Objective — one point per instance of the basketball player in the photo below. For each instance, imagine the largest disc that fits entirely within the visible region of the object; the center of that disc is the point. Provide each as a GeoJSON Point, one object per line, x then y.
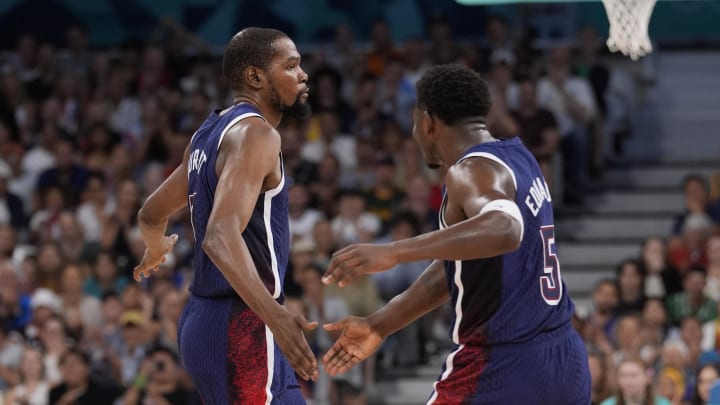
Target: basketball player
{"type": "Point", "coordinates": [236, 339]}
{"type": "Point", "coordinates": [495, 260]}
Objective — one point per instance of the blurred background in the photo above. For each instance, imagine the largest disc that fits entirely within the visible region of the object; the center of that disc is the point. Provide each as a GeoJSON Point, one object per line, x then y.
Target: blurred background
{"type": "Point", "coordinates": [99, 99]}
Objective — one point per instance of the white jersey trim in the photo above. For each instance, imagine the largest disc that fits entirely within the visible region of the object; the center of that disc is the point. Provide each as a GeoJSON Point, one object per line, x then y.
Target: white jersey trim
{"type": "Point", "coordinates": [233, 122]}
{"type": "Point", "coordinates": [494, 159]}
{"type": "Point", "coordinates": [270, 345]}
{"type": "Point", "coordinates": [445, 374]}
{"type": "Point", "coordinates": [508, 207]}
{"type": "Point", "coordinates": [267, 209]}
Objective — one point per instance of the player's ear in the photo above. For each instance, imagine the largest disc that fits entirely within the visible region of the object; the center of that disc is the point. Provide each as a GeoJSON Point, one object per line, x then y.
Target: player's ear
{"type": "Point", "coordinates": [254, 77]}
{"type": "Point", "coordinates": [428, 123]}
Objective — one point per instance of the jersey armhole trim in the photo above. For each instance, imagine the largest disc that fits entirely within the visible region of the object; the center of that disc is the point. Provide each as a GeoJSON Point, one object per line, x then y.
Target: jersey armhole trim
{"type": "Point", "coordinates": [495, 159]}
{"type": "Point", "coordinates": [233, 122]}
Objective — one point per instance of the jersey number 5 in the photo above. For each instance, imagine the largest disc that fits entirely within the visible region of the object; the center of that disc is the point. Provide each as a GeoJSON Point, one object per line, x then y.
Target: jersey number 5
{"type": "Point", "coordinates": [551, 283]}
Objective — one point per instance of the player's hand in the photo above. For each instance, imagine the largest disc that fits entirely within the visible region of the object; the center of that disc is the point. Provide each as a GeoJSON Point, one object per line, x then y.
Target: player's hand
{"type": "Point", "coordinates": [288, 328]}
{"type": "Point", "coordinates": [356, 260]}
{"type": "Point", "coordinates": [356, 343]}
{"type": "Point", "coordinates": [152, 259]}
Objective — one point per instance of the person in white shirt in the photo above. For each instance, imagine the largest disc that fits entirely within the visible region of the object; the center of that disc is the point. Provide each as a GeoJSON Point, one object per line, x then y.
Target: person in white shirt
{"type": "Point", "coordinates": [570, 99]}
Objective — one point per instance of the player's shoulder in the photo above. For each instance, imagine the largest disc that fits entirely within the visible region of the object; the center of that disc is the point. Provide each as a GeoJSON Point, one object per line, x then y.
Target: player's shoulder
{"type": "Point", "coordinates": [252, 132]}
{"type": "Point", "coordinates": [475, 164]}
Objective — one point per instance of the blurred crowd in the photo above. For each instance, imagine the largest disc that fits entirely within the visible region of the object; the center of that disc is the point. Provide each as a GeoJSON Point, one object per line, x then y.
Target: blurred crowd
{"type": "Point", "coordinates": [86, 134]}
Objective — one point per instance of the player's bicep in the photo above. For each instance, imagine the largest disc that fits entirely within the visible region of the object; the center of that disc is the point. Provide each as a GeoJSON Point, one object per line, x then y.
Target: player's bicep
{"type": "Point", "coordinates": [251, 156]}
{"type": "Point", "coordinates": [482, 187]}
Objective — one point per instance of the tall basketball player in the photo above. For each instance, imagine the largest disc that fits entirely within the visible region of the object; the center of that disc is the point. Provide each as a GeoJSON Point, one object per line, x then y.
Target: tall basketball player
{"type": "Point", "coordinates": [236, 339]}
{"type": "Point", "coordinates": [495, 259]}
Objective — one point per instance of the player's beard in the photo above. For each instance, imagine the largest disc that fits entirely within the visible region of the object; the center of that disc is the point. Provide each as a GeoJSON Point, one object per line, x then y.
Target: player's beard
{"type": "Point", "coordinates": [298, 109]}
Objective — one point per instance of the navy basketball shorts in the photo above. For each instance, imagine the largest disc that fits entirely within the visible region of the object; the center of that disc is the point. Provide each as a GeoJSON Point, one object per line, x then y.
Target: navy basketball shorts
{"type": "Point", "coordinates": [551, 369]}
{"type": "Point", "coordinates": [231, 355]}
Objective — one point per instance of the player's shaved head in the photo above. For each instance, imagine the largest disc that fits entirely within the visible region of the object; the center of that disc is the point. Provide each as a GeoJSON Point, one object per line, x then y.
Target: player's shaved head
{"type": "Point", "coordinates": [250, 47]}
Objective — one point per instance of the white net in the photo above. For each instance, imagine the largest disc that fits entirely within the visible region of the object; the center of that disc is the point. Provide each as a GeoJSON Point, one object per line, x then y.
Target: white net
{"type": "Point", "coordinates": [629, 20]}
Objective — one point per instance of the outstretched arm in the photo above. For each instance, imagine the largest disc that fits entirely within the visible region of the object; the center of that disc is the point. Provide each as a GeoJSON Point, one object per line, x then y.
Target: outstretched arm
{"type": "Point", "coordinates": [170, 197]}
{"type": "Point", "coordinates": [486, 223]}
{"type": "Point", "coordinates": [248, 159]}
{"type": "Point", "coordinates": [362, 336]}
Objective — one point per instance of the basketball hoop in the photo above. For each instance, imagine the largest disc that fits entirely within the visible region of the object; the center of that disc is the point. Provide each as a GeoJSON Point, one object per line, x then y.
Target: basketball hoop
{"type": "Point", "coordinates": [629, 20]}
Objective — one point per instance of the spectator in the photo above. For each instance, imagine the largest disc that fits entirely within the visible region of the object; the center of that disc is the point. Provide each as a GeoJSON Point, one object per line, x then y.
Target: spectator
{"type": "Point", "coordinates": [66, 174]}
{"type": "Point", "coordinates": [158, 381]}
{"type": "Point", "coordinates": [33, 388]}
{"type": "Point", "coordinates": [689, 250]}
{"type": "Point", "coordinates": [396, 95]}
{"type": "Point", "coordinates": [712, 286]}
{"type": "Point", "coordinates": [601, 376]}
{"type": "Point", "coordinates": [55, 342]}
{"type": "Point", "coordinates": [76, 386]}
{"type": "Point", "coordinates": [503, 92]}
{"type": "Point", "coordinates": [297, 169]}
{"type": "Point", "coordinates": [44, 226]}
{"type": "Point", "coordinates": [661, 279]}
{"type": "Point", "coordinates": [691, 335]}
{"type": "Point", "coordinates": [118, 227]}
{"type": "Point", "coordinates": [327, 84]}
{"type": "Point", "coordinates": [10, 356]}
{"type": "Point", "coordinates": [302, 217]}
{"type": "Point", "coordinates": [325, 244]}
{"type": "Point", "coordinates": [697, 201]}
{"type": "Point", "coordinates": [442, 46]}
{"type": "Point", "coordinates": [654, 329]}
{"type": "Point", "coordinates": [391, 283]}
{"type": "Point", "coordinates": [11, 206]}
{"type": "Point", "coordinates": [571, 100]}
{"type": "Point", "coordinates": [710, 341]}
{"type": "Point", "coordinates": [132, 348]}
{"type": "Point", "coordinates": [382, 49]}
{"type": "Point", "coordinates": [416, 60]}
{"type": "Point", "coordinates": [603, 316]}
{"type": "Point", "coordinates": [634, 385]}
{"type": "Point", "coordinates": [164, 329]}
{"type": "Point", "coordinates": [82, 312]}
{"type": "Point", "coordinates": [706, 376]}
{"type": "Point", "coordinates": [417, 201]}
{"type": "Point", "coordinates": [326, 189]}
{"type": "Point", "coordinates": [15, 311]}
{"type": "Point", "coordinates": [44, 305]}
{"type": "Point", "coordinates": [104, 277]}
{"type": "Point", "coordinates": [692, 300]}
{"type": "Point", "coordinates": [95, 207]}
{"type": "Point", "coordinates": [537, 127]}
{"type": "Point", "coordinates": [323, 308]}
{"type": "Point", "coordinates": [72, 241]}
{"type": "Point", "coordinates": [671, 385]}
{"type": "Point", "coordinates": [353, 223]}
{"type": "Point", "coordinates": [631, 282]}
{"type": "Point", "coordinates": [628, 338]}
{"type": "Point", "coordinates": [384, 197]}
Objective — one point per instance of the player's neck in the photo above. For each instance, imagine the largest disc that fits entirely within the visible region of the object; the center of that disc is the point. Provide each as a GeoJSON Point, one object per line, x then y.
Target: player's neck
{"type": "Point", "coordinates": [461, 138]}
{"type": "Point", "coordinates": [271, 115]}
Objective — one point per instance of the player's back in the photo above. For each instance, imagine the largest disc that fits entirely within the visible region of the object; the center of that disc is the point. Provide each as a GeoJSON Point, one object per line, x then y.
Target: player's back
{"type": "Point", "coordinates": [267, 233]}
{"type": "Point", "coordinates": [514, 297]}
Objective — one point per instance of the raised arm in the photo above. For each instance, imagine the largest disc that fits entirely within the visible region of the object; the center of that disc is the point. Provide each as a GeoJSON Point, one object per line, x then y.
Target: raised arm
{"type": "Point", "coordinates": [486, 223]}
{"type": "Point", "coordinates": [247, 164]}
{"type": "Point", "coordinates": [167, 199]}
{"type": "Point", "coordinates": [362, 336]}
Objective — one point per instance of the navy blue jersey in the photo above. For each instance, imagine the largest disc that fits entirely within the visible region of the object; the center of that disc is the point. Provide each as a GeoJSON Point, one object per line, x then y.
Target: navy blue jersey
{"type": "Point", "coordinates": [267, 234]}
{"type": "Point", "coordinates": [514, 297]}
